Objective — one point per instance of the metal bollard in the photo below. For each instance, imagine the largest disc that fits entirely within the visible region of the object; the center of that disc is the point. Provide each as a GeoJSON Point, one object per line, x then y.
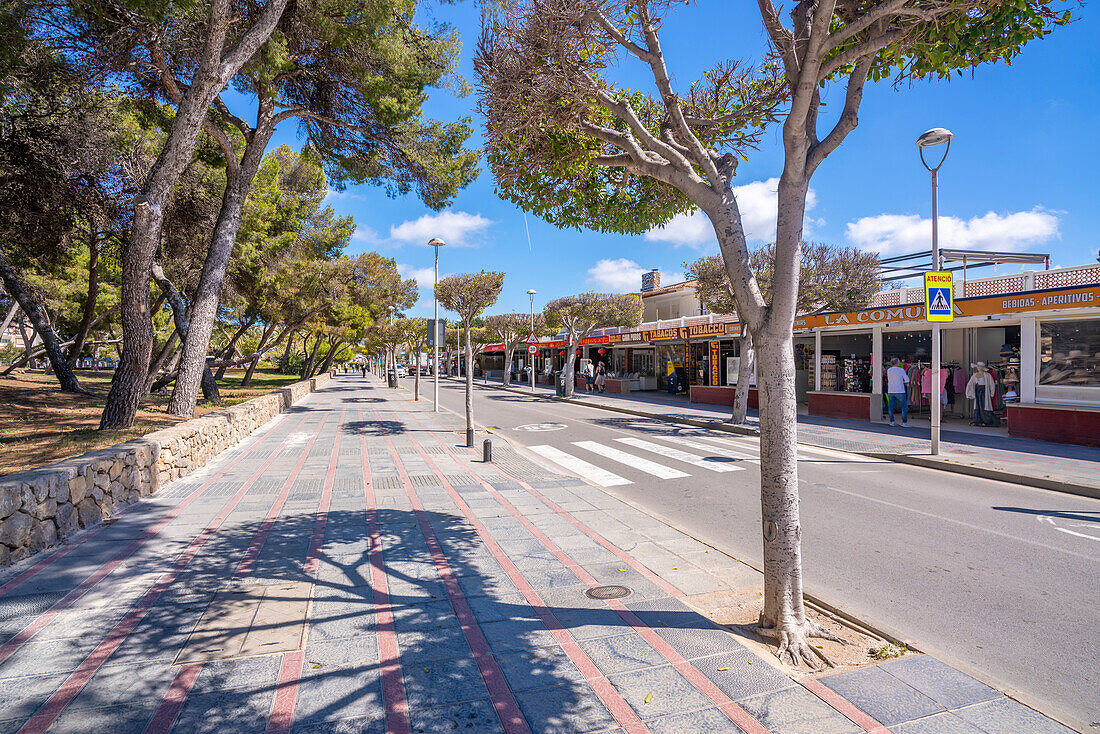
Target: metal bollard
{"type": "Point", "coordinates": [487, 451]}
{"type": "Point", "coordinates": [469, 438]}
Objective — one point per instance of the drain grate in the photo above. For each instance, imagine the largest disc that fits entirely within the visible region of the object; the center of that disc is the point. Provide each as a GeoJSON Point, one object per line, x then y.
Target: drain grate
{"type": "Point", "coordinates": [607, 592]}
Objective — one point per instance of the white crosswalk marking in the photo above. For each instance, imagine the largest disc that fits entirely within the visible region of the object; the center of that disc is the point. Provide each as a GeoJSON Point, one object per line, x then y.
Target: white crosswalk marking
{"type": "Point", "coordinates": [694, 459]}
{"type": "Point", "coordinates": [636, 462]}
{"type": "Point", "coordinates": [730, 448]}
{"type": "Point", "coordinates": [805, 453]}
{"type": "Point", "coordinates": [580, 467]}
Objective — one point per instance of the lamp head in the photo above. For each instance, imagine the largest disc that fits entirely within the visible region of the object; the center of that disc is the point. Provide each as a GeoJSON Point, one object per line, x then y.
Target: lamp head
{"type": "Point", "coordinates": [531, 292]}
{"type": "Point", "coordinates": [935, 136]}
{"type": "Point", "coordinates": [436, 242]}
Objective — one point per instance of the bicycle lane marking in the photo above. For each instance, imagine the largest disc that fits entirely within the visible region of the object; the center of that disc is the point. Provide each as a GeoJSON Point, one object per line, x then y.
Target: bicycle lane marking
{"type": "Point", "coordinates": [172, 514]}
{"type": "Point", "coordinates": [500, 693]}
{"type": "Point", "coordinates": [174, 701]}
{"type": "Point", "coordinates": [697, 679]}
{"type": "Point", "coordinates": [34, 627]}
{"type": "Point", "coordinates": [604, 690]}
{"type": "Point", "coordinates": [76, 681]}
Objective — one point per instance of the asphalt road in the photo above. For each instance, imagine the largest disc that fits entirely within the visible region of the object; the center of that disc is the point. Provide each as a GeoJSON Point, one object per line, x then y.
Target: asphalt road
{"type": "Point", "coordinates": [997, 577]}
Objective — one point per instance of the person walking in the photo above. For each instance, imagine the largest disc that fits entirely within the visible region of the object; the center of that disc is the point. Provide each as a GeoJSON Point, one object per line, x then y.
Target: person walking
{"type": "Point", "coordinates": [589, 377]}
{"type": "Point", "coordinates": [896, 380]}
{"type": "Point", "coordinates": [601, 377]}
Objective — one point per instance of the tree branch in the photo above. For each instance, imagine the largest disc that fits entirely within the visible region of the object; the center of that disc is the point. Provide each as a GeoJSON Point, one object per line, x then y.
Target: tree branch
{"type": "Point", "coordinates": [849, 116]}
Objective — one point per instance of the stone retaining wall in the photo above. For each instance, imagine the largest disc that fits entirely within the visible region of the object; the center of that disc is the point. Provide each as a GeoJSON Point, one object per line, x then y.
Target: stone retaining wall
{"type": "Point", "coordinates": [40, 507]}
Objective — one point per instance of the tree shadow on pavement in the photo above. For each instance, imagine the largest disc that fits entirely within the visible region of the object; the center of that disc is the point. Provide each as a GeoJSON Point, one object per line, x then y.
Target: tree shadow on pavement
{"type": "Point", "coordinates": [341, 679]}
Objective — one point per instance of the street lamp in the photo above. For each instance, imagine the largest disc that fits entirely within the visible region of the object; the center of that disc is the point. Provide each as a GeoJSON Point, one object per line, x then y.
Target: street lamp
{"type": "Point", "coordinates": [935, 137]}
{"type": "Point", "coordinates": [531, 357]}
{"type": "Point", "coordinates": [436, 243]}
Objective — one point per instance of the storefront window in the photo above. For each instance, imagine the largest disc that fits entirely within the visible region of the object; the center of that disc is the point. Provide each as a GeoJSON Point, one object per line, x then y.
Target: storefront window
{"type": "Point", "coordinates": [1070, 353]}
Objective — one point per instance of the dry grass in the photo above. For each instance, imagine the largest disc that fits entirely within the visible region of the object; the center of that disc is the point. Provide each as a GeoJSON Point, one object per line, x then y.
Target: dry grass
{"type": "Point", "coordinates": [39, 424]}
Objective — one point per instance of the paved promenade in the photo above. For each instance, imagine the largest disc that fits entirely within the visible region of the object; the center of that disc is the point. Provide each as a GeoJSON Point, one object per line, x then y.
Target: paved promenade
{"type": "Point", "coordinates": [349, 568]}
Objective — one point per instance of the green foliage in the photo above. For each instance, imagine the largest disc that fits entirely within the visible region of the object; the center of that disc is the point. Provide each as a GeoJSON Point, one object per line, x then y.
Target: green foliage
{"type": "Point", "coordinates": [468, 294]}
{"type": "Point", "coordinates": [972, 33]}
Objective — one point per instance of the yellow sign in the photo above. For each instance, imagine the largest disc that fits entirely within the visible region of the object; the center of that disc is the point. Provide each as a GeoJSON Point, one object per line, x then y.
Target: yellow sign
{"type": "Point", "coordinates": [939, 304]}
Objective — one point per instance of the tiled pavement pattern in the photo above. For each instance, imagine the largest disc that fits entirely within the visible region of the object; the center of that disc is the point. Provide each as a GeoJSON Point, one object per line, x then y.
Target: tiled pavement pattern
{"type": "Point", "coordinates": [439, 594]}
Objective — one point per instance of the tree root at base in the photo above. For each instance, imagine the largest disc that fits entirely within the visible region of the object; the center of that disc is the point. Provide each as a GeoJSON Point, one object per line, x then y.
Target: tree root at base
{"type": "Point", "coordinates": [794, 643]}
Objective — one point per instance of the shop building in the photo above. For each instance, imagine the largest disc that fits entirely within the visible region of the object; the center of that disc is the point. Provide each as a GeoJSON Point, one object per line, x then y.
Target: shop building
{"type": "Point", "coordinates": [1038, 331]}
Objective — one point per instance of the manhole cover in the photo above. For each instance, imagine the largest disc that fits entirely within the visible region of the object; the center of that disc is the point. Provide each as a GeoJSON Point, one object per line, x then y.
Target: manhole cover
{"type": "Point", "coordinates": [608, 592]}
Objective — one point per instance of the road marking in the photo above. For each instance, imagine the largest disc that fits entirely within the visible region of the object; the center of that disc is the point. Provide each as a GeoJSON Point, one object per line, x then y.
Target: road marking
{"type": "Point", "coordinates": [712, 463]}
{"type": "Point", "coordinates": [649, 467]}
{"type": "Point", "coordinates": [1054, 524]}
{"type": "Point", "coordinates": [732, 448]}
{"type": "Point", "coordinates": [580, 467]}
{"type": "Point", "coordinates": [542, 427]}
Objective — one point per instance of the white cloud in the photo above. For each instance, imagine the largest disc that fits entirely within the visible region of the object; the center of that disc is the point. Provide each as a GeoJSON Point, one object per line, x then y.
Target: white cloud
{"type": "Point", "coordinates": [454, 228]}
{"type": "Point", "coordinates": [424, 277]}
{"type": "Point", "coordinates": [892, 234]}
{"type": "Point", "coordinates": [618, 276]}
{"type": "Point", "coordinates": [363, 233]}
{"type": "Point", "coordinates": [758, 204]}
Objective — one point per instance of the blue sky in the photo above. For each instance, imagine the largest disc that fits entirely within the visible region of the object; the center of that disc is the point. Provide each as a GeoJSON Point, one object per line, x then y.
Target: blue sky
{"type": "Point", "coordinates": [1021, 175]}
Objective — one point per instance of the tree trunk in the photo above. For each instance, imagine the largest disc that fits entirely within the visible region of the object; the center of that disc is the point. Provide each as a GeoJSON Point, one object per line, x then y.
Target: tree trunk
{"type": "Point", "coordinates": [469, 377]}
{"type": "Point", "coordinates": [333, 349]}
{"type": "Point", "coordinates": [416, 377]}
{"type": "Point", "coordinates": [779, 503]}
{"type": "Point", "coordinates": [307, 368]}
{"type": "Point", "coordinates": [260, 348]}
{"type": "Point", "coordinates": [231, 347]}
{"type": "Point", "coordinates": [571, 366]}
{"type": "Point", "coordinates": [506, 378]}
{"type": "Point", "coordinates": [12, 310]}
{"type": "Point", "coordinates": [285, 360]}
{"type": "Point", "coordinates": [89, 299]}
{"type": "Point", "coordinates": [61, 367]}
{"type": "Point", "coordinates": [211, 75]}
{"type": "Point", "coordinates": [744, 377]}
{"type": "Point", "coordinates": [179, 318]}
{"type": "Point", "coordinates": [204, 305]}
{"type": "Point", "coordinates": [168, 350]}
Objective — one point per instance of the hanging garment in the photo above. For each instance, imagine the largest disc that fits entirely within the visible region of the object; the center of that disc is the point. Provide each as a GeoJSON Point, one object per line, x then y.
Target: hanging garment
{"type": "Point", "coordinates": [960, 379]}
{"type": "Point", "coordinates": [984, 380]}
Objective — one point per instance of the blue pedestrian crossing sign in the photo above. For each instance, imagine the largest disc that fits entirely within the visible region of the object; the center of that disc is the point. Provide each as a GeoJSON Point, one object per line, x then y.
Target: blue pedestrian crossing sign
{"type": "Point", "coordinates": [939, 305]}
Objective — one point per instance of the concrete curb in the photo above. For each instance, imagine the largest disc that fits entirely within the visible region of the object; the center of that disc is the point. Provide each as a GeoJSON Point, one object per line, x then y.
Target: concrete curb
{"type": "Point", "coordinates": [927, 462]}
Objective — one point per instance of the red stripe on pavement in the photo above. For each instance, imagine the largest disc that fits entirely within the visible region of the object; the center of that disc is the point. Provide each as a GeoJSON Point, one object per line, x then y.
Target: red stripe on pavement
{"type": "Point", "coordinates": [173, 700]}
{"type": "Point", "coordinates": [604, 542]}
{"type": "Point", "coordinates": [703, 684]}
{"type": "Point", "coordinates": [9, 647]}
{"type": "Point", "coordinates": [394, 700]}
{"type": "Point", "coordinates": [69, 547]}
{"type": "Point", "coordinates": [286, 694]}
{"type": "Point", "coordinates": [844, 706]}
{"type": "Point", "coordinates": [503, 701]}
{"type": "Point", "coordinates": [76, 681]}
{"type": "Point", "coordinates": [615, 703]}
{"type": "Point", "coordinates": [281, 718]}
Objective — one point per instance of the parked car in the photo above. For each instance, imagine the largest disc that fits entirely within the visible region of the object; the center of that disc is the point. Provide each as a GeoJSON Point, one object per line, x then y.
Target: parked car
{"type": "Point", "coordinates": [402, 371]}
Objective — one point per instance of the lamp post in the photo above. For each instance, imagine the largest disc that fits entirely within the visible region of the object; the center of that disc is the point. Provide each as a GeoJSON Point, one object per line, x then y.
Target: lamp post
{"type": "Point", "coordinates": [935, 137]}
{"type": "Point", "coordinates": [531, 357]}
{"type": "Point", "coordinates": [436, 243]}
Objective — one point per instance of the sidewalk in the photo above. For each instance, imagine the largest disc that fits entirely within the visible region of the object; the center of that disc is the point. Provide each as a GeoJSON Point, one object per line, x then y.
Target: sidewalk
{"type": "Point", "coordinates": [350, 569]}
{"type": "Point", "coordinates": [1059, 467]}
